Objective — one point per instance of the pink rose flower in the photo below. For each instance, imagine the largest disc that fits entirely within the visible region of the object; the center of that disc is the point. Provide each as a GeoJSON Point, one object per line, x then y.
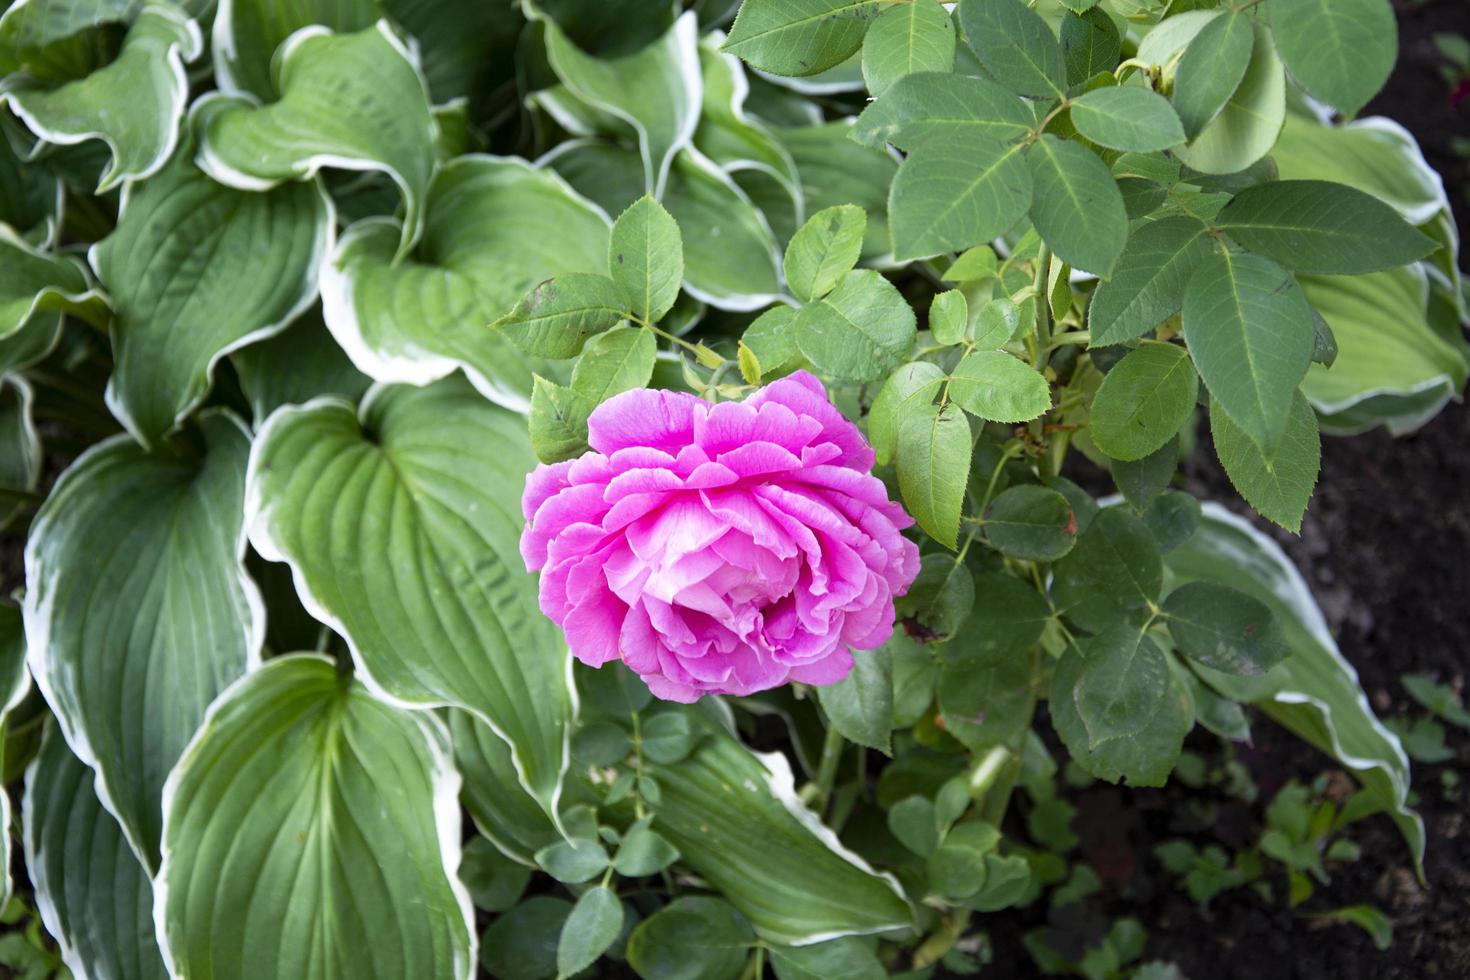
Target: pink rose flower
{"type": "Point", "coordinates": [719, 548]}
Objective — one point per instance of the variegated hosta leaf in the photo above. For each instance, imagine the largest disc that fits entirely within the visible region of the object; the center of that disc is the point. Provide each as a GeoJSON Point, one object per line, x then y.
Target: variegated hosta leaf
{"type": "Point", "coordinates": [14, 682]}
{"type": "Point", "coordinates": [402, 527]}
{"type": "Point", "coordinates": [246, 34]}
{"type": "Point", "coordinates": [34, 283]}
{"type": "Point", "coordinates": [135, 104]}
{"type": "Point", "coordinates": [318, 367]}
{"type": "Point", "coordinates": [29, 27]}
{"type": "Point", "coordinates": [312, 831]}
{"type": "Point", "coordinates": [138, 609]}
{"type": "Point", "coordinates": [30, 195]}
{"type": "Point", "coordinates": [503, 811]}
{"type": "Point", "coordinates": [735, 818]}
{"type": "Point", "coordinates": [20, 452]}
{"type": "Point", "coordinates": [94, 895]}
{"type": "Point", "coordinates": [196, 269]}
{"type": "Point", "coordinates": [657, 90]}
{"type": "Point", "coordinates": [494, 227]}
{"type": "Point", "coordinates": [353, 101]}
{"type": "Point", "coordinates": [730, 255]}
{"type": "Point", "coordinates": [1314, 692]}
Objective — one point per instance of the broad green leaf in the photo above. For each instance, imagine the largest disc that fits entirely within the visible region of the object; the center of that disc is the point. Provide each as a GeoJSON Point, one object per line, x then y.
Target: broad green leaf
{"type": "Point", "coordinates": [1249, 331]}
{"type": "Point", "coordinates": [837, 959]}
{"type": "Point", "coordinates": [555, 319]}
{"type": "Point", "coordinates": [999, 321]}
{"type": "Point", "coordinates": [614, 362]}
{"type": "Point", "coordinates": [318, 367]}
{"type": "Point", "coordinates": [557, 422]}
{"type": "Point", "coordinates": [573, 860]}
{"type": "Point", "coordinates": [998, 387]}
{"type": "Point", "coordinates": [824, 250]}
{"type": "Point", "coordinates": [1124, 676]}
{"type": "Point", "coordinates": [135, 104]}
{"type": "Point", "coordinates": [1090, 44]}
{"type": "Point", "coordinates": [730, 255]}
{"type": "Point", "coordinates": [196, 270]}
{"type": "Point", "coordinates": [1144, 757]}
{"type": "Point", "coordinates": [1127, 117]}
{"type": "Point", "coordinates": [735, 818]}
{"type": "Point", "coordinates": [311, 830]}
{"type": "Point", "coordinates": [1321, 227]}
{"type": "Point", "coordinates": [1172, 519]}
{"type": "Point", "coordinates": [656, 90]}
{"type": "Point", "coordinates": [1032, 523]}
{"type": "Point", "coordinates": [34, 283]}
{"type": "Point", "coordinates": [1076, 206]}
{"type": "Point", "coordinates": [1114, 569]}
{"type": "Point", "coordinates": [927, 104]}
{"type": "Point", "coordinates": [1314, 692]}
{"type": "Point", "coordinates": [1247, 127]}
{"type": "Point", "coordinates": [860, 706]}
{"type": "Point", "coordinates": [593, 926]}
{"type": "Point", "coordinates": [1224, 628]}
{"type": "Point", "coordinates": [957, 870]}
{"type": "Point", "coordinates": [1144, 400]}
{"type": "Point", "coordinates": [1278, 483]}
{"type": "Point", "coordinates": [20, 453]}
{"type": "Point", "coordinates": [919, 382]}
{"type": "Point", "coordinates": [139, 611]}
{"type": "Point", "coordinates": [1212, 68]}
{"type": "Point", "coordinates": [92, 892]}
{"type": "Point", "coordinates": [352, 101]}
{"type": "Point", "coordinates": [1007, 619]}
{"type": "Point", "coordinates": [495, 882]}
{"type": "Point", "coordinates": [986, 704]}
{"type": "Point", "coordinates": [493, 229]}
{"type": "Point", "coordinates": [957, 189]}
{"type": "Point", "coordinates": [407, 546]}
{"type": "Point", "coordinates": [973, 265]}
{"type": "Point", "coordinates": [502, 810]}
{"type": "Point", "coordinates": [522, 943]}
{"type": "Point", "coordinates": [860, 331]}
{"type": "Point", "coordinates": [1341, 51]}
{"type": "Point", "coordinates": [1142, 481]}
{"type": "Point", "coordinates": [907, 38]}
{"type": "Point", "coordinates": [1015, 45]}
{"type": "Point", "coordinates": [949, 317]}
{"type": "Point", "coordinates": [1148, 283]}
{"type": "Point", "coordinates": [915, 824]}
{"type": "Point", "coordinates": [30, 196]}
{"type": "Point", "coordinates": [799, 37]}
{"type": "Point", "coordinates": [643, 852]}
{"type": "Point", "coordinates": [934, 466]}
{"type": "Point", "coordinates": [692, 938]}
{"type": "Point", "coordinates": [646, 257]}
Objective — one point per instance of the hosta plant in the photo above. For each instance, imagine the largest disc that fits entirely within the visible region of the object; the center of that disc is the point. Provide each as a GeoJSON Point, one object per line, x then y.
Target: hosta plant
{"type": "Point", "coordinates": [556, 487]}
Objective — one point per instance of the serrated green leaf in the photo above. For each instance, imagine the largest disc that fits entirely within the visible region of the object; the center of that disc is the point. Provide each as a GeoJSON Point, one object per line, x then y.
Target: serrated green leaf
{"type": "Point", "coordinates": [913, 821]}
{"type": "Point", "coordinates": [954, 190]}
{"type": "Point", "coordinates": [155, 541]}
{"type": "Point", "coordinates": [458, 628]}
{"type": "Point", "coordinates": [1224, 628]}
{"type": "Point", "coordinates": [1249, 331]}
{"type": "Point", "coordinates": [933, 467]}
{"type": "Point", "coordinates": [836, 959]}
{"type": "Point", "coordinates": [735, 818]}
{"type": "Point", "coordinates": [824, 250]}
{"type": "Point", "coordinates": [557, 423]}
{"type": "Point", "coordinates": [1211, 69]}
{"type": "Point", "coordinates": [998, 387]}
{"type": "Point", "coordinates": [1277, 483]}
{"type": "Point", "coordinates": [522, 943]}
{"type": "Point", "coordinates": [355, 784]}
{"type": "Point", "coordinates": [355, 101]}
{"type": "Point", "coordinates": [573, 860]}
{"type": "Point", "coordinates": [919, 381]}
{"type": "Point", "coordinates": [593, 926]}
{"type": "Point", "coordinates": [643, 852]}
{"type": "Point", "coordinates": [1172, 519]}
{"type": "Point", "coordinates": [940, 597]}
{"type": "Point", "coordinates": [91, 890]}
{"type": "Point", "coordinates": [927, 104]}
{"type": "Point", "coordinates": [495, 882]}
{"type": "Point", "coordinates": [860, 331]}
{"type": "Point", "coordinates": [1090, 44]}
{"type": "Point", "coordinates": [799, 37]}
{"type": "Point", "coordinates": [999, 321]}
{"type": "Point", "coordinates": [1015, 45]}
{"type": "Point", "coordinates": [1114, 568]}
{"type": "Point", "coordinates": [493, 229]}
{"type": "Point", "coordinates": [1032, 523]}
{"type": "Point", "coordinates": [949, 317]}
{"type": "Point", "coordinates": [1341, 51]}
{"type": "Point", "coordinates": [1076, 206]}
{"type": "Point", "coordinates": [860, 706]}
{"type": "Point", "coordinates": [1124, 676]}
{"type": "Point", "coordinates": [771, 340]}
{"type": "Point", "coordinates": [196, 269]}
{"type": "Point", "coordinates": [1127, 117]}
{"type": "Point", "coordinates": [1144, 400]}
{"type": "Point", "coordinates": [1142, 481]}
{"type": "Point", "coordinates": [1247, 127]}
{"type": "Point", "coordinates": [1321, 227]}
{"type": "Point", "coordinates": [837, 170]}
{"type": "Point", "coordinates": [556, 318]}
{"type": "Point", "coordinates": [135, 104]}
{"type": "Point", "coordinates": [1148, 283]}
{"type": "Point", "coordinates": [614, 362]}
{"type": "Point", "coordinates": [646, 258]}
{"type": "Point", "coordinates": [1007, 619]}
{"type": "Point", "coordinates": [692, 937]}
{"type": "Point", "coordinates": [985, 704]}
{"type": "Point", "coordinates": [905, 39]}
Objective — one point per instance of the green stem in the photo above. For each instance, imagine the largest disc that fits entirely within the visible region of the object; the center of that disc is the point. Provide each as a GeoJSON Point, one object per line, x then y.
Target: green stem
{"type": "Point", "coordinates": [832, 748]}
{"type": "Point", "coordinates": [1043, 306]}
